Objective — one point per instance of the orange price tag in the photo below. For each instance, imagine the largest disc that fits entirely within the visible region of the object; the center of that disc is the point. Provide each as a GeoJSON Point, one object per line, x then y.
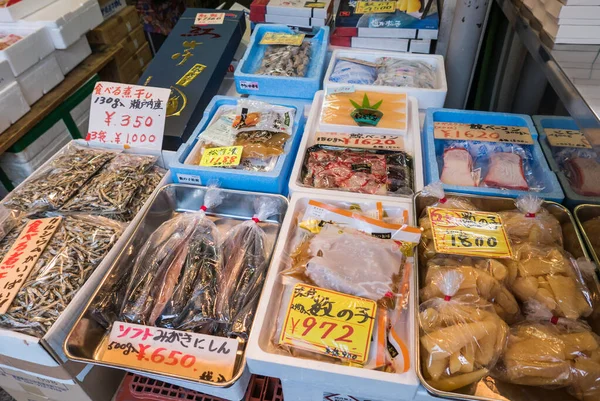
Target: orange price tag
{"type": "Point", "coordinates": [329, 322]}
{"type": "Point", "coordinates": [482, 132]}
{"type": "Point", "coordinates": [567, 138]}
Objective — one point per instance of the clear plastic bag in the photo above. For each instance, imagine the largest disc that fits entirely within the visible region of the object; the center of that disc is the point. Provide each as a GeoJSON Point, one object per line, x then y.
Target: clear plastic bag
{"type": "Point", "coordinates": [461, 337]}
{"type": "Point", "coordinates": [52, 187]}
{"type": "Point", "coordinates": [531, 222]}
{"type": "Point", "coordinates": [75, 250]}
{"type": "Point", "coordinates": [9, 219]}
{"type": "Point", "coordinates": [582, 167]}
{"type": "Point", "coordinates": [405, 73]}
{"type": "Point", "coordinates": [111, 190]}
{"type": "Point", "coordinates": [286, 61]}
{"type": "Point", "coordinates": [148, 184]}
{"type": "Point", "coordinates": [244, 269]}
{"type": "Point", "coordinates": [348, 72]}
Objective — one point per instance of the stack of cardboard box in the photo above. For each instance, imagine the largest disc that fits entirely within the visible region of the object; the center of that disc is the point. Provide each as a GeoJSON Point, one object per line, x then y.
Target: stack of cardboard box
{"type": "Point", "coordinates": [124, 30]}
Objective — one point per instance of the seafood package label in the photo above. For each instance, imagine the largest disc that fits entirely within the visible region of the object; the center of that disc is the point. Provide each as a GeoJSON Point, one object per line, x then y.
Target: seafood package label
{"type": "Point", "coordinates": [482, 132]}
{"type": "Point", "coordinates": [22, 257]}
{"type": "Point", "coordinates": [278, 38]}
{"type": "Point", "coordinates": [362, 141]}
{"type": "Point", "coordinates": [567, 138]}
{"type": "Point", "coordinates": [329, 322]}
{"type": "Point", "coordinates": [222, 157]}
{"type": "Point", "coordinates": [128, 116]}
{"type": "Point", "coordinates": [209, 18]}
{"type": "Point", "coordinates": [464, 232]}
{"type": "Point", "coordinates": [153, 349]}
{"type": "Point", "coordinates": [374, 7]}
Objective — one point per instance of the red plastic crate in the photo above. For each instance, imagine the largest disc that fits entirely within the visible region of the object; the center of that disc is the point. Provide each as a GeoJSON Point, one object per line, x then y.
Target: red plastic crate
{"type": "Point", "coordinates": [140, 388]}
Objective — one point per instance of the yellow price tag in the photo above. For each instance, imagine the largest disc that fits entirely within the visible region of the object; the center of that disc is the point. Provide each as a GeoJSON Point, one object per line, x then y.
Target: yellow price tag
{"type": "Point", "coordinates": [329, 322]}
{"type": "Point", "coordinates": [464, 232]}
{"type": "Point", "coordinates": [222, 157]}
{"type": "Point", "coordinates": [279, 38]}
{"type": "Point", "coordinates": [482, 132]}
{"type": "Point", "coordinates": [567, 138]}
{"type": "Point", "coordinates": [372, 7]}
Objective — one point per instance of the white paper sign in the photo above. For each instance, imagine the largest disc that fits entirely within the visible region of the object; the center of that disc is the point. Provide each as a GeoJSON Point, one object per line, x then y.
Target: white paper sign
{"type": "Point", "coordinates": [125, 115]}
{"type": "Point", "coordinates": [209, 18]}
{"type": "Point", "coordinates": [249, 85]}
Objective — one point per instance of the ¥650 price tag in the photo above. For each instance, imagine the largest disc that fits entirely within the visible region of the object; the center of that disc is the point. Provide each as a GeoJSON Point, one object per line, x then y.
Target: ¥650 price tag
{"type": "Point", "coordinates": [465, 232]}
{"type": "Point", "coordinates": [222, 157]}
{"type": "Point", "coordinates": [329, 322]}
{"type": "Point", "coordinates": [190, 355]}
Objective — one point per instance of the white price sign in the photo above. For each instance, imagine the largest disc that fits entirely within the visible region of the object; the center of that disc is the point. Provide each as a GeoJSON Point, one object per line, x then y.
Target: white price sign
{"type": "Point", "coordinates": [188, 179]}
{"type": "Point", "coordinates": [249, 85]}
{"type": "Point", "coordinates": [209, 18]}
{"type": "Point", "coordinates": [131, 116]}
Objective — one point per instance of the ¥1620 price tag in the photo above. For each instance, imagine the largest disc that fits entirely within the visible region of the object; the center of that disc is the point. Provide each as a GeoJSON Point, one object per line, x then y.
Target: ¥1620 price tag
{"type": "Point", "coordinates": [464, 232]}
{"type": "Point", "coordinates": [222, 157]}
{"type": "Point", "coordinates": [191, 355]}
{"type": "Point", "coordinates": [482, 132]}
{"type": "Point", "coordinates": [363, 141]}
{"type": "Point", "coordinates": [329, 322]}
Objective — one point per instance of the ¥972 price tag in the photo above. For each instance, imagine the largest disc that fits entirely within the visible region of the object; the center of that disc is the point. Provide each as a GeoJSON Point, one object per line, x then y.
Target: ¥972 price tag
{"type": "Point", "coordinates": [329, 322]}
{"type": "Point", "coordinates": [190, 355]}
{"type": "Point", "coordinates": [464, 232]}
{"type": "Point", "coordinates": [222, 157]}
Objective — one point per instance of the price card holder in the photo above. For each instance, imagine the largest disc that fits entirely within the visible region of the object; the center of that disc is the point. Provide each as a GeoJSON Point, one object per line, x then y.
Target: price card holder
{"type": "Point", "coordinates": [278, 38]}
{"type": "Point", "coordinates": [128, 116]}
{"type": "Point", "coordinates": [567, 138]}
{"type": "Point", "coordinates": [329, 322]}
{"type": "Point", "coordinates": [464, 232]}
{"type": "Point", "coordinates": [190, 355]}
{"type": "Point", "coordinates": [222, 157]}
{"type": "Point", "coordinates": [482, 132]}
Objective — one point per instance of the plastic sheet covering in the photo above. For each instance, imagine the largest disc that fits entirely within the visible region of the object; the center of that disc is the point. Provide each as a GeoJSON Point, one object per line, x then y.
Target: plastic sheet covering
{"type": "Point", "coordinates": [286, 61]}
{"type": "Point", "coordinates": [348, 72]}
{"type": "Point", "coordinates": [405, 73]}
{"type": "Point", "coordinates": [581, 166]}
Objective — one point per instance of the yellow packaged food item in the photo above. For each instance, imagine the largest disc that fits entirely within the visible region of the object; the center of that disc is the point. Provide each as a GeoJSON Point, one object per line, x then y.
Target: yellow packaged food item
{"type": "Point", "coordinates": [530, 222]}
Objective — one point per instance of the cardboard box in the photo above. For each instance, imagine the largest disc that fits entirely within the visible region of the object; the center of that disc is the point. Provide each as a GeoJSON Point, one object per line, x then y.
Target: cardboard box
{"type": "Point", "coordinates": [196, 79]}
{"type": "Point", "coordinates": [111, 7]}
{"type": "Point", "coordinates": [130, 45]}
{"type": "Point", "coordinates": [130, 68]}
{"type": "Point", "coordinates": [115, 28]}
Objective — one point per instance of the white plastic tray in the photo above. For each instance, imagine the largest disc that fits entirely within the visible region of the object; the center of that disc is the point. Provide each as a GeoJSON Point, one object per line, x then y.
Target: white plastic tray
{"type": "Point", "coordinates": [426, 97]}
{"type": "Point", "coordinates": [413, 147]}
{"type": "Point", "coordinates": [34, 46]}
{"type": "Point", "coordinates": [307, 379]}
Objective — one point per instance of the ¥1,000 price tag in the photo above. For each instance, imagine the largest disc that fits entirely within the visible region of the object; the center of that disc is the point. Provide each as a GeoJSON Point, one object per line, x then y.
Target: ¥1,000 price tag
{"type": "Point", "coordinates": [482, 132]}
{"type": "Point", "coordinates": [567, 138]}
{"type": "Point", "coordinates": [278, 38]}
{"type": "Point", "coordinates": [464, 232]}
{"type": "Point", "coordinates": [222, 157]}
{"type": "Point", "coordinates": [329, 322]}
{"type": "Point", "coordinates": [191, 355]}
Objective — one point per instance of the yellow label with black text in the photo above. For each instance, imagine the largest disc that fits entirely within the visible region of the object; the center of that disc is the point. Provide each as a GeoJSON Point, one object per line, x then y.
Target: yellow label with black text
{"type": "Point", "coordinates": [222, 157]}
{"type": "Point", "coordinates": [567, 138]}
{"type": "Point", "coordinates": [464, 232]}
{"type": "Point", "coordinates": [482, 132]}
{"type": "Point", "coordinates": [372, 7]}
{"type": "Point", "coordinates": [278, 38]}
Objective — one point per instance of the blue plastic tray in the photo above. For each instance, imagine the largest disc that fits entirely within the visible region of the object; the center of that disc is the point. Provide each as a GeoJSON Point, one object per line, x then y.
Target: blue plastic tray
{"type": "Point", "coordinates": [572, 198]}
{"type": "Point", "coordinates": [275, 181]}
{"type": "Point", "coordinates": [432, 148]}
{"type": "Point", "coordinates": [294, 87]}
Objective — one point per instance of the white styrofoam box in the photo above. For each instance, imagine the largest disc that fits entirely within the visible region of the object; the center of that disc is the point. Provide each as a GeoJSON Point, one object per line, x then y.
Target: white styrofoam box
{"type": "Point", "coordinates": [583, 12]}
{"type": "Point", "coordinates": [595, 74]}
{"type": "Point", "coordinates": [288, 20]}
{"type": "Point", "coordinates": [412, 141]}
{"type": "Point", "coordinates": [12, 104]}
{"type": "Point", "coordinates": [6, 75]}
{"type": "Point", "coordinates": [578, 48]}
{"type": "Point", "coordinates": [304, 379]}
{"type": "Point", "coordinates": [577, 31]}
{"type": "Point", "coordinates": [318, 21]}
{"type": "Point", "coordinates": [34, 46]}
{"type": "Point", "coordinates": [67, 20]}
{"type": "Point", "coordinates": [577, 21]}
{"type": "Point", "coordinates": [297, 8]}
{"type": "Point", "coordinates": [428, 34]}
{"type": "Point", "coordinates": [582, 73]}
{"type": "Point", "coordinates": [70, 57]}
{"type": "Point", "coordinates": [399, 33]}
{"type": "Point", "coordinates": [22, 9]}
{"type": "Point", "coordinates": [574, 56]}
{"type": "Point", "coordinates": [422, 46]}
{"type": "Point", "coordinates": [398, 45]}
{"type": "Point", "coordinates": [40, 79]}
{"type": "Point", "coordinates": [35, 147]}
{"type": "Point", "coordinates": [82, 108]}
{"type": "Point", "coordinates": [425, 97]}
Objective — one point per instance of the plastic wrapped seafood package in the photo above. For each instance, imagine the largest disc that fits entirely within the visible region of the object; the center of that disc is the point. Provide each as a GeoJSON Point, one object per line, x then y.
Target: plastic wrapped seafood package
{"type": "Point", "coordinates": [347, 71]}
{"type": "Point", "coordinates": [328, 250]}
{"type": "Point", "coordinates": [489, 164]}
{"type": "Point", "coordinates": [581, 166]}
{"type": "Point", "coordinates": [286, 60]}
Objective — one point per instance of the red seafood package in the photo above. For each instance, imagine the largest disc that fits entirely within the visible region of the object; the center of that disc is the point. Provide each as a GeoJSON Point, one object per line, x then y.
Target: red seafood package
{"type": "Point", "coordinates": [585, 176]}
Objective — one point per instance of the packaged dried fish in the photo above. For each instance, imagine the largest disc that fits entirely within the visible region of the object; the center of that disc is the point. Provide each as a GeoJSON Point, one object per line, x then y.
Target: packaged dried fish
{"type": "Point", "coordinates": [286, 61]}
{"type": "Point", "coordinates": [111, 190]}
{"type": "Point", "coordinates": [75, 250]}
{"type": "Point", "coordinates": [9, 219]}
{"type": "Point", "coordinates": [254, 115]}
{"type": "Point", "coordinates": [149, 183]}
{"type": "Point", "coordinates": [52, 187]}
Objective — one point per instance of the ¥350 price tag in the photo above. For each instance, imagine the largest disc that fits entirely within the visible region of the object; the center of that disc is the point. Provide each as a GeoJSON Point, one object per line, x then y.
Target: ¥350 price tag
{"type": "Point", "coordinates": [222, 157]}
{"type": "Point", "coordinates": [465, 232]}
{"type": "Point", "coordinates": [329, 322]}
{"type": "Point", "coordinates": [191, 355]}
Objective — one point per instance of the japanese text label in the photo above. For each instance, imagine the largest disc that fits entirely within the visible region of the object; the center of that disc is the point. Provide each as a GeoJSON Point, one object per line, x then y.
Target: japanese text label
{"type": "Point", "coordinates": [363, 141]}
{"type": "Point", "coordinates": [222, 157]}
{"type": "Point", "coordinates": [278, 38]}
{"type": "Point", "coordinates": [482, 132]}
{"type": "Point", "coordinates": [463, 232]}
{"type": "Point", "coordinates": [567, 138]}
{"type": "Point", "coordinates": [209, 18]}
{"type": "Point", "coordinates": [372, 7]}
{"type": "Point", "coordinates": [128, 115]}
{"type": "Point", "coordinates": [22, 257]}
{"type": "Point", "coordinates": [329, 322]}
{"type": "Point", "coordinates": [190, 355]}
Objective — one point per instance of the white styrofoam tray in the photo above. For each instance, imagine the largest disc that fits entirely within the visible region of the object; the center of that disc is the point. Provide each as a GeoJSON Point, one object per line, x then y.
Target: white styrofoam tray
{"type": "Point", "coordinates": [21, 9]}
{"type": "Point", "coordinates": [40, 79]}
{"type": "Point", "coordinates": [12, 104]}
{"type": "Point", "coordinates": [308, 379]}
{"type": "Point", "coordinates": [413, 147]}
{"type": "Point", "coordinates": [34, 46]}
{"type": "Point", "coordinates": [70, 57]}
{"type": "Point", "coordinates": [6, 75]}
{"type": "Point", "coordinates": [426, 97]}
{"type": "Point", "coordinates": [67, 20]}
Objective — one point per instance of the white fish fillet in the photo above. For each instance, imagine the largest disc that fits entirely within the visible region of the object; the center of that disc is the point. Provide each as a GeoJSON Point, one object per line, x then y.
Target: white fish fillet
{"type": "Point", "coordinates": [458, 168]}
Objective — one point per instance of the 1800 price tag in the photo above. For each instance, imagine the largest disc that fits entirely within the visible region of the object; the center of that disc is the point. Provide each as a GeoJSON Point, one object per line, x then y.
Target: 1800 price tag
{"type": "Point", "coordinates": [465, 232]}
{"type": "Point", "coordinates": [190, 355]}
{"type": "Point", "coordinates": [329, 322]}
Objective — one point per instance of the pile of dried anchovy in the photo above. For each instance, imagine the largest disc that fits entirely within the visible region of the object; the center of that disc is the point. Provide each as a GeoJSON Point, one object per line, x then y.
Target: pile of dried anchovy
{"type": "Point", "coordinates": [147, 185]}
{"type": "Point", "coordinates": [75, 250]}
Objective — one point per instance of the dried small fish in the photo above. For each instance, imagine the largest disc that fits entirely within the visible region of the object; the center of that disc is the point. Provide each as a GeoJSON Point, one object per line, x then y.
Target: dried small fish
{"type": "Point", "coordinates": [75, 250]}
{"type": "Point", "coordinates": [286, 61]}
{"type": "Point", "coordinates": [111, 190]}
{"type": "Point", "coordinates": [52, 187]}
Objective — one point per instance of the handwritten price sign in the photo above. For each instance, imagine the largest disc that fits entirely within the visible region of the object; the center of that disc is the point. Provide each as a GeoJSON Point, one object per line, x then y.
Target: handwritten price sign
{"type": "Point", "coordinates": [464, 232]}
{"type": "Point", "coordinates": [482, 132]}
{"type": "Point", "coordinates": [222, 157]}
{"type": "Point", "coordinates": [363, 141]}
{"type": "Point", "coordinates": [190, 355]}
{"type": "Point", "coordinates": [567, 138]}
{"type": "Point", "coordinates": [372, 7]}
{"type": "Point", "coordinates": [128, 115]}
{"type": "Point", "coordinates": [329, 322]}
